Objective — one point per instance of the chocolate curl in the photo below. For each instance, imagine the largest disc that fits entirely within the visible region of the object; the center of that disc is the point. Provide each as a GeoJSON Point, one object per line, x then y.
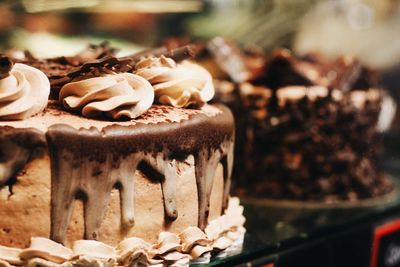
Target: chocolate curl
{"type": "Point", "coordinates": [178, 54]}
{"type": "Point", "coordinates": [96, 51]}
{"type": "Point", "coordinates": [182, 53]}
{"type": "Point", "coordinates": [125, 64]}
{"type": "Point", "coordinates": [6, 65]}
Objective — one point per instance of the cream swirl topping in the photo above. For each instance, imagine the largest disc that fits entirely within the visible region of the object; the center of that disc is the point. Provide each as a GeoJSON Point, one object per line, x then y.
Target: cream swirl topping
{"type": "Point", "coordinates": [117, 95]}
{"type": "Point", "coordinates": [180, 85]}
{"type": "Point", "coordinates": [23, 93]}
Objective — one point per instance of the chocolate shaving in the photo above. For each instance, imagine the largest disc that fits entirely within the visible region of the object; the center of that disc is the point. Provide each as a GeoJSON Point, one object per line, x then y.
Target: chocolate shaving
{"type": "Point", "coordinates": [92, 52]}
{"type": "Point", "coordinates": [177, 54]}
{"type": "Point", "coordinates": [95, 52]}
{"type": "Point", "coordinates": [124, 64]}
{"type": "Point", "coordinates": [105, 62]}
{"type": "Point", "coordinates": [229, 58]}
{"type": "Point", "coordinates": [181, 53]}
{"type": "Point", "coordinates": [6, 65]}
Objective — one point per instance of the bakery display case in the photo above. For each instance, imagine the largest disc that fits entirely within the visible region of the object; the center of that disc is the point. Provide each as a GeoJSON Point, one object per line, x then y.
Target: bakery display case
{"type": "Point", "coordinates": [313, 87]}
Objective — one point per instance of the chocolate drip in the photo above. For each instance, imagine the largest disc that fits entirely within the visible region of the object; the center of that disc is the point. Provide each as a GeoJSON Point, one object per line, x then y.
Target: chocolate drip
{"type": "Point", "coordinates": [17, 146]}
{"type": "Point", "coordinates": [126, 187]}
{"type": "Point", "coordinates": [81, 177]}
{"type": "Point", "coordinates": [206, 162]}
{"type": "Point", "coordinates": [227, 164]}
{"type": "Point", "coordinates": [168, 184]}
{"type": "Point", "coordinates": [229, 58]}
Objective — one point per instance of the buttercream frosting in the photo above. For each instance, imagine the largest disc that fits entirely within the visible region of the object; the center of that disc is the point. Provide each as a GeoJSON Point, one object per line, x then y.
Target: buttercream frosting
{"type": "Point", "coordinates": [123, 95]}
{"type": "Point", "coordinates": [171, 248]}
{"type": "Point", "coordinates": [180, 85]}
{"type": "Point", "coordinates": [23, 93]}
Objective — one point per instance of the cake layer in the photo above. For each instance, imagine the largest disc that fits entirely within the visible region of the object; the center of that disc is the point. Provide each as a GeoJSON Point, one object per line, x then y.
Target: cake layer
{"type": "Point", "coordinates": [66, 178]}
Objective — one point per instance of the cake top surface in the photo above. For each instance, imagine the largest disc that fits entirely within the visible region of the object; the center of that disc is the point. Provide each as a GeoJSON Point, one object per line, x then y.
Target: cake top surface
{"type": "Point", "coordinates": [148, 87]}
{"type": "Point", "coordinates": [55, 114]}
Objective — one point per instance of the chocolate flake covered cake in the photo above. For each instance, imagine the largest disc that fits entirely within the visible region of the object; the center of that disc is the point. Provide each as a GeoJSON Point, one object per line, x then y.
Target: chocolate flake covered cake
{"type": "Point", "coordinates": [307, 128]}
{"type": "Point", "coordinates": [127, 166]}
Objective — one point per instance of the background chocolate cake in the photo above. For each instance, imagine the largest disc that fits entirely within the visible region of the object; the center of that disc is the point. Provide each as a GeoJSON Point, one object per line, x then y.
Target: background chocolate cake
{"type": "Point", "coordinates": [308, 128]}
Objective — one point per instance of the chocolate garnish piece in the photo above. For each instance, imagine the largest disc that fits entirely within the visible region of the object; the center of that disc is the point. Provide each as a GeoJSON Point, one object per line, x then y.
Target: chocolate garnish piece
{"type": "Point", "coordinates": [58, 67]}
{"type": "Point", "coordinates": [229, 58]}
{"type": "Point", "coordinates": [182, 53]}
{"type": "Point", "coordinates": [6, 65]}
{"type": "Point", "coordinates": [105, 62]}
{"type": "Point", "coordinates": [94, 52]}
{"type": "Point", "coordinates": [124, 64]}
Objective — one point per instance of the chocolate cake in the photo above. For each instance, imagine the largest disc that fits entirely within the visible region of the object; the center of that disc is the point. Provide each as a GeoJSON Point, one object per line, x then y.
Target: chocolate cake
{"type": "Point", "coordinates": [307, 127]}
{"type": "Point", "coordinates": [129, 165]}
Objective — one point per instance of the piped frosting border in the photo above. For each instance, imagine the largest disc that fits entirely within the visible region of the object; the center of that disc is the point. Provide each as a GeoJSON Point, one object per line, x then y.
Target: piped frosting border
{"type": "Point", "coordinates": [171, 249]}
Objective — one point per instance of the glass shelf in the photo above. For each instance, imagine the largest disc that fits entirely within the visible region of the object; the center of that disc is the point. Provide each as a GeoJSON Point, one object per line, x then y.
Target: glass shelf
{"type": "Point", "coordinates": [273, 227]}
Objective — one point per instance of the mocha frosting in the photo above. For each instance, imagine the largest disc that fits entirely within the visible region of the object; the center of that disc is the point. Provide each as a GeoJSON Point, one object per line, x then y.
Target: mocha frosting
{"type": "Point", "coordinates": [180, 85]}
{"type": "Point", "coordinates": [122, 95]}
{"type": "Point", "coordinates": [170, 249]}
{"type": "Point", "coordinates": [23, 93]}
{"type": "Point", "coordinates": [95, 160]}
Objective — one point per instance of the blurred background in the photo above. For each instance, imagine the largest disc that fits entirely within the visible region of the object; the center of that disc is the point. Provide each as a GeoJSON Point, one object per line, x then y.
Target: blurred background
{"type": "Point", "coordinates": [366, 28]}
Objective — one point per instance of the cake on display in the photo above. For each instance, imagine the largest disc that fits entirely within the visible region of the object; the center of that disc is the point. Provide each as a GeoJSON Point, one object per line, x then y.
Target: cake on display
{"type": "Point", "coordinates": [308, 128]}
{"type": "Point", "coordinates": [126, 164]}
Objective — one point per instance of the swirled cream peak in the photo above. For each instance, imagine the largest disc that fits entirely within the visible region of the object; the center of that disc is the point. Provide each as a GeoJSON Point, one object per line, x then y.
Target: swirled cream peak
{"type": "Point", "coordinates": [180, 85]}
{"type": "Point", "coordinates": [123, 95]}
{"type": "Point", "coordinates": [23, 93]}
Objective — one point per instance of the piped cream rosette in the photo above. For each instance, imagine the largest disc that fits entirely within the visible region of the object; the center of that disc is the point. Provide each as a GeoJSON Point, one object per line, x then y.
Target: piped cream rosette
{"type": "Point", "coordinates": [23, 93]}
{"type": "Point", "coordinates": [180, 85]}
{"type": "Point", "coordinates": [122, 95]}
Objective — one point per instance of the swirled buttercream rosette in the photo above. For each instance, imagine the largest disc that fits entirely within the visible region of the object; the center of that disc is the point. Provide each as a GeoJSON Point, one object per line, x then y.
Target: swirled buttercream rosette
{"type": "Point", "coordinates": [24, 92]}
{"type": "Point", "coordinates": [180, 85]}
{"type": "Point", "coordinates": [122, 95]}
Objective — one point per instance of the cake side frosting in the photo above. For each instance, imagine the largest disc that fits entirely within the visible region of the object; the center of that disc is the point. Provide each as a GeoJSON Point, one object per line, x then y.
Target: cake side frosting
{"type": "Point", "coordinates": [106, 155]}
